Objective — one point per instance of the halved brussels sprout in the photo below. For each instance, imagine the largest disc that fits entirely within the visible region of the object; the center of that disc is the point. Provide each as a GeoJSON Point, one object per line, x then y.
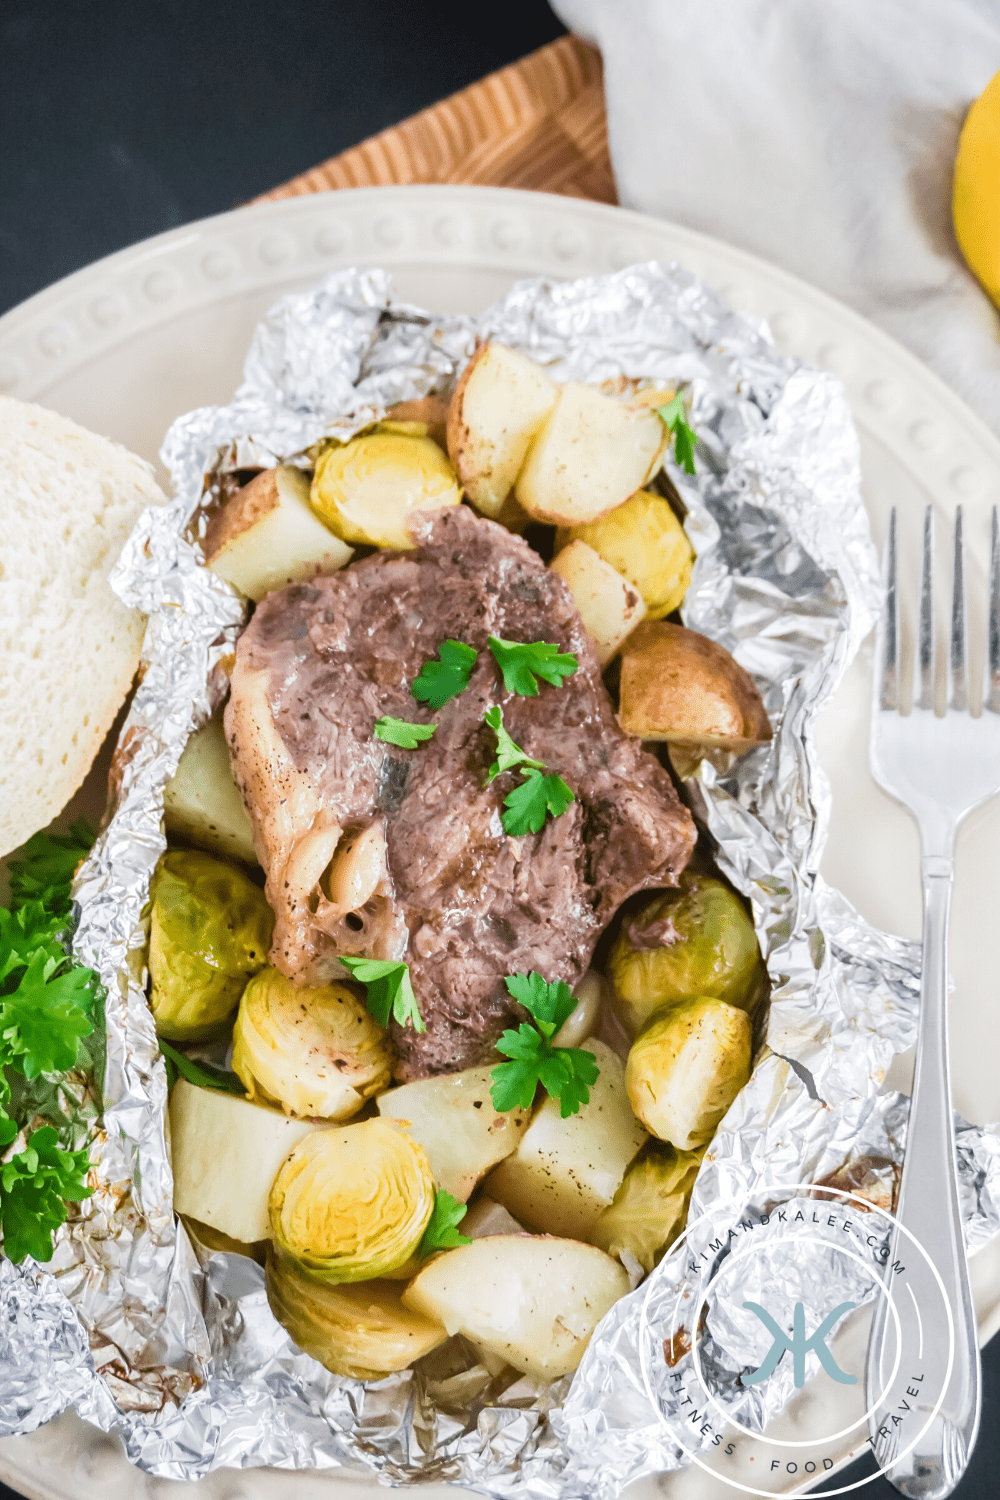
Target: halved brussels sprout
{"type": "Point", "coordinates": [695, 940]}
{"type": "Point", "coordinates": [314, 1051]}
{"type": "Point", "coordinates": [210, 929]}
{"type": "Point", "coordinates": [644, 542]}
{"type": "Point", "coordinates": [650, 1207]}
{"type": "Point", "coordinates": [352, 1204]}
{"type": "Point", "coordinates": [687, 1067]}
{"type": "Point", "coordinates": [363, 1331]}
{"type": "Point", "coordinates": [367, 489]}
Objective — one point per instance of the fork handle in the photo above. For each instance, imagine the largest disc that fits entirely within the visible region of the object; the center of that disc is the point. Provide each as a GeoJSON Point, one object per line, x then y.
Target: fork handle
{"type": "Point", "coordinates": [928, 1208]}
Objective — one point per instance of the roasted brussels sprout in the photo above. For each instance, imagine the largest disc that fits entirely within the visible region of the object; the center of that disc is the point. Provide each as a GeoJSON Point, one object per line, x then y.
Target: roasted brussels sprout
{"type": "Point", "coordinates": [316, 1052]}
{"type": "Point", "coordinates": [352, 1204]}
{"type": "Point", "coordinates": [644, 542]}
{"type": "Point", "coordinates": [650, 1207]}
{"type": "Point", "coordinates": [210, 929]}
{"type": "Point", "coordinates": [686, 1068]}
{"type": "Point", "coordinates": [367, 489]}
{"type": "Point", "coordinates": [696, 940]}
{"type": "Point", "coordinates": [363, 1331]}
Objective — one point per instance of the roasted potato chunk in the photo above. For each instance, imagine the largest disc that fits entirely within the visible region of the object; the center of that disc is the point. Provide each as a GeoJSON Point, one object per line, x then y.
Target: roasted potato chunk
{"type": "Point", "coordinates": [268, 535]}
{"type": "Point", "coordinates": [679, 686]}
{"type": "Point", "coordinates": [498, 408]}
{"type": "Point", "coordinates": [609, 606]}
{"type": "Point", "coordinates": [224, 1152]}
{"type": "Point", "coordinates": [592, 453]}
{"type": "Point", "coordinates": [202, 803]}
{"type": "Point", "coordinates": [453, 1118]}
{"type": "Point", "coordinates": [524, 1300]}
{"type": "Point", "coordinates": [564, 1173]}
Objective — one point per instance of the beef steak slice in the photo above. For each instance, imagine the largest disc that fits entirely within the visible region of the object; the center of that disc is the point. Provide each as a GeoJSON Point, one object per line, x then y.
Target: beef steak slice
{"type": "Point", "coordinates": [444, 887]}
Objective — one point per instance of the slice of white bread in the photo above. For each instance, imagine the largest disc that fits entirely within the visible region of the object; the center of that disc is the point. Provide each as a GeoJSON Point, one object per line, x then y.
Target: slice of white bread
{"type": "Point", "coordinates": [68, 647]}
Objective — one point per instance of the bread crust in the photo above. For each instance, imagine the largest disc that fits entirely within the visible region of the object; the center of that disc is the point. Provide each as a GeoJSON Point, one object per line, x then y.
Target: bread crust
{"type": "Point", "coordinates": [69, 647]}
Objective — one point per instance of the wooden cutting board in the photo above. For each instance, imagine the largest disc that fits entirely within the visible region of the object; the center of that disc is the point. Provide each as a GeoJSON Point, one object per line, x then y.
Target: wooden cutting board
{"type": "Point", "coordinates": [539, 123]}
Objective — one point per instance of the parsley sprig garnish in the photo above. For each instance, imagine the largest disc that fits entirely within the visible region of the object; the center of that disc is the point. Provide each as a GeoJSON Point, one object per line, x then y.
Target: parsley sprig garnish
{"type": "Point", "coordinates": [438, 681]}
{"type": "Point", "coordinates": [441, 1232]}
{"type": "Point", "coordinates": [399, 732]}
{"type": "Point", "coordinates": [35, 1185]}
{"type": "Point", "coordinates": [565, 1073]}
{"type": "Point", "coordinates": [524, 662]}
{"type": "Point", "coordinates": [390, 992]}
{"type": "Point", "coordinates": [528, 804]}
{"type": "Point", "coordinates": [685, 437]}
{"type": "Point", "coordinates": [44, 1017]}
{"type": "Point", "coordinates": [510, 757]}
{"type": "Point", "coordinates": [179, 1065]}
{"type": "Point", "coordinates": [49, 1006]}
{"type": "Point", "coordinates": [41, 870]}
{"type": "Point", "coordinates": [540, 792]}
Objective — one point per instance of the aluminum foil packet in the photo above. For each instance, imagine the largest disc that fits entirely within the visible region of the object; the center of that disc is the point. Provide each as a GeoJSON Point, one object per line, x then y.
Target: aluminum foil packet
{"type": "Point", "coordinates": [178, 1350]}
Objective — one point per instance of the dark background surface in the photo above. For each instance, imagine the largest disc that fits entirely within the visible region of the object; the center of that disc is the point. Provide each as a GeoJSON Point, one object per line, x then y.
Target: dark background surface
{"type": "Point", "coordinates": [119, 120]}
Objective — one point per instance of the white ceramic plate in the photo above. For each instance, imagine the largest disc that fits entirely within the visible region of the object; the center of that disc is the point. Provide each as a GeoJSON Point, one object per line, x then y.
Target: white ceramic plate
{"type": "Point", "coordinates": [128, 343]}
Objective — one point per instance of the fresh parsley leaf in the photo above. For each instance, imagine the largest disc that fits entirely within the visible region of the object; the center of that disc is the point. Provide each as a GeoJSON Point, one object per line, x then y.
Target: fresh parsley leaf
{"type": "Point", "coordinates": [565, 1073]}
{"type": "Point", "coordinates": [524, 662]}
{"type": "Point", "coordinates": [50, 1012]}
{"type": "Point", "coordinates": [515, 1082]}
{"type": "Point", "coordinates": [399, 732]}
{"type": "Point", "coordinates": [25, 932]}
{"type": "Point", "coordinates": [510, 757]}
{"type": "Point", "coordinates": [390, 992]}
{"type": "Point", "coordinates": [580, 1072]}
{"type": "Point", "coordinates": [548, 1004]}
{"type": "Point", "coordinates": [51, 1099]}
{"type": "Point", "coordinates": [528, 803]}
{"type": "Point", "coordinates": [441, 1232]}
{"type": "Point", "coordinates": [43, 1020]}
{"type": "Point", "coordinates": [685, 437]}
{"type": "Point", "coordinates": [537, 795]}
{"type": "Point", "coordinates": [34, 1187]}
{"type": "Point", "coordinates": [196, 1071]}
{"type": "Point", "coordinates": [42, 869]}
{"type": "Point", "coordinates": [440, 680]}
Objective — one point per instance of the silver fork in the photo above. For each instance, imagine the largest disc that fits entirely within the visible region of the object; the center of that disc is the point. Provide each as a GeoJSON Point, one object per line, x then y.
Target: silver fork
{"type": "Point", "coordinates": [940, 769]}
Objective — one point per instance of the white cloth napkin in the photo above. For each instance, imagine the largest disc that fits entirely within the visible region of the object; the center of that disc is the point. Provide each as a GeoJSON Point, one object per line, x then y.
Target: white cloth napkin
{"type": "Point", "coordinates": [820, 134]}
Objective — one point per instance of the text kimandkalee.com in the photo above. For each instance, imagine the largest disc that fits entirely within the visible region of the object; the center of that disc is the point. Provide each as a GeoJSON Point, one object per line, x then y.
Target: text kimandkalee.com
{"type": "Point", "coordinates": [878, 1248]}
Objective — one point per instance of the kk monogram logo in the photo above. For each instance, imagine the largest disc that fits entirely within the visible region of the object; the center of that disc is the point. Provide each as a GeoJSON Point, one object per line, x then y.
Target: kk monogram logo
{"type": "Point", "coordinates": [799, 1345]}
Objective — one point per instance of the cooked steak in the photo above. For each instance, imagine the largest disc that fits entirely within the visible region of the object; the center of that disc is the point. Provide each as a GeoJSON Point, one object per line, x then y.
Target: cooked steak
{"type": "Point", "coordinates": [435, 879]}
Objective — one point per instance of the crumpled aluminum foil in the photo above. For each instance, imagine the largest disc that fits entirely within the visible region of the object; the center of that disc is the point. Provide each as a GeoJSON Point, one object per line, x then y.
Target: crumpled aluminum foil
{"type": "Point", "coordinates": [181, 1353]}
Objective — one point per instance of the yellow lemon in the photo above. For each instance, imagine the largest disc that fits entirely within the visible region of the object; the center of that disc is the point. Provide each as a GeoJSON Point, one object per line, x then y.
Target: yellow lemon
{"type": "Point", "coordinates": [976, 200]}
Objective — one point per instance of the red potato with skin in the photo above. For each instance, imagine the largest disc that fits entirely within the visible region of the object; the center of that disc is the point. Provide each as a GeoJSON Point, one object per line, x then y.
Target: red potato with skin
{"type": "Point", "coordinates": [680, 687]}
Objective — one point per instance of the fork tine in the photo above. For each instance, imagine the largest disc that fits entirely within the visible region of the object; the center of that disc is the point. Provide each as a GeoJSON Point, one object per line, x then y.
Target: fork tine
{"type": "Point", "coordinates": [885, 683]}
{"type": "Point", "coordinates": [925, 654]}
{"type": "Point", "coordinates": [958, 696]}
{"type": "Point", "coordinates": [991, 692]}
